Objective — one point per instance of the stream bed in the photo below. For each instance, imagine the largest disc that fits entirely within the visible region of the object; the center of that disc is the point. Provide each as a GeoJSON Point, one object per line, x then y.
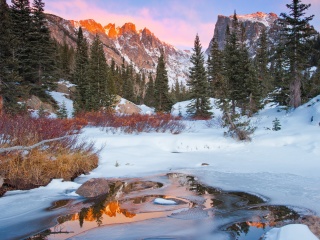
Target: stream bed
{"type": "Point", "coordinates": [177, 206]}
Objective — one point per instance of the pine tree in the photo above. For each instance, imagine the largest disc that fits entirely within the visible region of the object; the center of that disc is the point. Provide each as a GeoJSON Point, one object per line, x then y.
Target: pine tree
{"type": "Point", "coordinates": [149, 97]}
{"type": "Point", "coordinates": [97, 92]}
{"type": "Point", "coordinates": [128, 82]}
{"type": "Point", "coordinates": [297, 33]}
{"type": "Point", "coordinates": [80, 71]}
{"type": "Point", "coordinates": [261, 62]}
{"type": "Point", "coordinates": [43, 63]}
{"type": "Point", "coordinates": [22, 29]}
{"type": "Point", "coordinates": [163, 103]}
{"type": "Point", "coordinates": [216, 71]}
{"type": "Point", "coordinates": [198, 84]}
{"type": "Point", "coordinates": [62, 112]}
{"type": "Point", "coordinates": [276, 125]}
{"type": "Point", "coordinates": [6, 66]}
{"type": "Point", "coordinates": [66, 56]}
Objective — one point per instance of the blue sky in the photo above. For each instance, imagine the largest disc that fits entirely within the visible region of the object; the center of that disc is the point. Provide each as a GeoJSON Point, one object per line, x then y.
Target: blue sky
{"type": "Point", "coordinates": [173, 21]}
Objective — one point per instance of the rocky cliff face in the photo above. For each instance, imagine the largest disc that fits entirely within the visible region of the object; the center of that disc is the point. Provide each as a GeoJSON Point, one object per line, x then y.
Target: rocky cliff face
{"type": "Point", "coordinates": [139, 47]}
{"type": "Point", "coordinates": [253, 23]}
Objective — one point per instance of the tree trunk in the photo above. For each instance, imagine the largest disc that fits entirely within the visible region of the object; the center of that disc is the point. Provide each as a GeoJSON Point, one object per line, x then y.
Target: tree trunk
{"type": "Point", "coordinates": [1, 105]}
{"type": "Point", "coordinates": [295, 92]}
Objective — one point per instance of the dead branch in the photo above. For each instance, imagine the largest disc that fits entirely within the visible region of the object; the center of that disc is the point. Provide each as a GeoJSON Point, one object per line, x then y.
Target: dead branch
{"type": "Point", "coordinates": [21, 148]}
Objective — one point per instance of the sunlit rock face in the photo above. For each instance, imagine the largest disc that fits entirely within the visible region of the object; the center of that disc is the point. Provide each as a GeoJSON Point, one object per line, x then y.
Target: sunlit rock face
{"type": "Point", "coordinates": [254, 24]}
{"type": "Point", "coordinates": [141, 48]}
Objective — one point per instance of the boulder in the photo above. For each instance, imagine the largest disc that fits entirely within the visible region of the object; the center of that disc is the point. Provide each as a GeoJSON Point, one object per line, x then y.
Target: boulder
{"type": "Point", "coordinates": [35, 103]}
{"type": "Point", "coordinates": [126, 107]}
{"type": "Point", "coordinates": [94, 187]}
{"type": "Point", "coordinates": [66, 88]}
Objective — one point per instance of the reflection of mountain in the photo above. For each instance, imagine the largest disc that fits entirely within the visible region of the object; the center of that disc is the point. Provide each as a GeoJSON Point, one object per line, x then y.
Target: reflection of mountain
{"type": "Point", "coordinates": [96, 212]}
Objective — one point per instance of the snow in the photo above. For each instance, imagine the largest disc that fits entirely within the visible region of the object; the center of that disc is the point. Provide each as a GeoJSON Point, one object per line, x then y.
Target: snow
{"type": "Point", "coordinates": [67, 83]}
{"type": "Point", "coordinates": [162, 201]}
{"type": "Point", "coordinates": [282, 166]}
{"type": "Point", "coordinates": [145, 109]}
{"type": "Point", "coordinates": [61, 98]}
{"type": "Point", "coordinates": [292, 232]}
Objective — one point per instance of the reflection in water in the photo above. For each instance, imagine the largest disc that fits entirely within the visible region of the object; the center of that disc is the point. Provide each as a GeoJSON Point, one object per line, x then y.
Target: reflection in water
{"type": "Point", "coordinates": [270, 216]}
{"type": "Point", "coordinates": [248, 216]}
{"type": "Point", "coordinates": [96, 212]}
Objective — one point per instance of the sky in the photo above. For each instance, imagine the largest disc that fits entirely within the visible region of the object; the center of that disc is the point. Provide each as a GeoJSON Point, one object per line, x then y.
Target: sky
{"type": "Point", "coordinates": [174, 21]}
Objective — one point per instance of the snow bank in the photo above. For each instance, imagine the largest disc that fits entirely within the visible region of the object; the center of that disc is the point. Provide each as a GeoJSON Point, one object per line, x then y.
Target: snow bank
{"type": "Point", "coordinates": [291, 232]}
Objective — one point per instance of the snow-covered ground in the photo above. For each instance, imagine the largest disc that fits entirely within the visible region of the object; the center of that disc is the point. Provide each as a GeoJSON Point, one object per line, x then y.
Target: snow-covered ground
{"type": "Point", "coordinates": [281, 165]}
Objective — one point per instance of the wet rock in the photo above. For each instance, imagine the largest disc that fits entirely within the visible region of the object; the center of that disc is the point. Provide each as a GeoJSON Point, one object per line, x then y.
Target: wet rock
{"type": "Point", "coordinates": [94, 188]}
{"type": "Point", "coordinates": [141, 185]}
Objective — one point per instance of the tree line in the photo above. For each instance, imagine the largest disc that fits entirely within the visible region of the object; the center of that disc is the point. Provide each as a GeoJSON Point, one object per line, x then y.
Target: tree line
{"type": "Point", "coordinates": [31, 62]}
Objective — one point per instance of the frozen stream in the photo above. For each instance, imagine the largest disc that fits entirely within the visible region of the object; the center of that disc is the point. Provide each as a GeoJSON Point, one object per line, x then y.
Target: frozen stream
{"type": "Point", "coordinates": [184, 209]}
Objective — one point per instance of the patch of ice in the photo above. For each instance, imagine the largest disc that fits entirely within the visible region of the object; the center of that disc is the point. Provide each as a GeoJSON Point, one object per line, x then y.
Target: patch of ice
{"type": "Point", "coordinates": [162, 201]}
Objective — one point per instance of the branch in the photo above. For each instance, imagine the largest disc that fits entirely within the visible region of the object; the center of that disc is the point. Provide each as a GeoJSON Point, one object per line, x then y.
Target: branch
{"type": "Point", "coordinates": [17, 148]}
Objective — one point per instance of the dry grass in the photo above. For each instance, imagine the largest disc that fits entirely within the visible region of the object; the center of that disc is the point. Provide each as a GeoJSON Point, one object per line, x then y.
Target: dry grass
{"type": "Point", "coordinates": [66, 158]}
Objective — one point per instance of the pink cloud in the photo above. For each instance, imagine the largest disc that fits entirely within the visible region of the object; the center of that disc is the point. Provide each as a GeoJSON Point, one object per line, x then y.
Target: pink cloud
{"type": "Point", "coordinates": [177, 32]}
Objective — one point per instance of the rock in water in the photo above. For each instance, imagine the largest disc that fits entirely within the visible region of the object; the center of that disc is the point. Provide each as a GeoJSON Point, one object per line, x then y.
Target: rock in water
{"type": "Point", "coordinates": [94, 188]}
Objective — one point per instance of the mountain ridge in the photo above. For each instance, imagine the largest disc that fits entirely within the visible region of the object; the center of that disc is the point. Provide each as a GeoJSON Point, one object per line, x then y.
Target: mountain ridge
{"type": "Point", "coordinates": [141, 48]}
{"type": "Point", "coordinates": [253, 23]}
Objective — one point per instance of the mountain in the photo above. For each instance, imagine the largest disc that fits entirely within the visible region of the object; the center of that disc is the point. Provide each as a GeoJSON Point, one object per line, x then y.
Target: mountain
{"type": "Point", "coordinates": [253, 23]}
{"type": "Point", "coordinates": [139, 47]}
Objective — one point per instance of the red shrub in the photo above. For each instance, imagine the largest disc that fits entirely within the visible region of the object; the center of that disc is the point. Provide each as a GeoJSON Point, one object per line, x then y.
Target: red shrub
{"type": "Point", "coordinates": [25, 130]}
{"type": "Point", "coordinates": [135, 123]}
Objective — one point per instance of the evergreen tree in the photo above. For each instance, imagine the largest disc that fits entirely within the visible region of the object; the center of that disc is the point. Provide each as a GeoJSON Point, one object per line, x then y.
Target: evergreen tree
{"type": "Point", "coordinates": [261, 62]}
{"type": "Point", "coordinates": [22, 30]}
{"type": "Point", "coordinates": [65, 59]}
{"type": "Point", "coordinates": [233, 71]}
{"type": "Point", "coordinates": [198, 84]}
{"type": "Point", "coordinates": [149, 97]}
{"type": "Point", "coordinates": [128, 82]}
{"type": "Point", "coordinates": [297, 33]}
{"type": "Point", "coordinates": [97, 92]}
{"type": "Point", "coordinates": [80, 71]}
{"type": "Point", "coordinates": [8, 62]}
{"type": "Point", "coordinates": [62, 112]}
{"type": "Point", "coordinates": [43, 63]}
{"type": "Point", "coordinates": [163, 103]}
{"type": "Point", "coordinates": [216, 71]}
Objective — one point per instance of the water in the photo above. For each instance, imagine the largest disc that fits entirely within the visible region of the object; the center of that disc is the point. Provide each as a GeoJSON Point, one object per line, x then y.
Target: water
{"type": "Point", "coordinates": [200, 212]}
